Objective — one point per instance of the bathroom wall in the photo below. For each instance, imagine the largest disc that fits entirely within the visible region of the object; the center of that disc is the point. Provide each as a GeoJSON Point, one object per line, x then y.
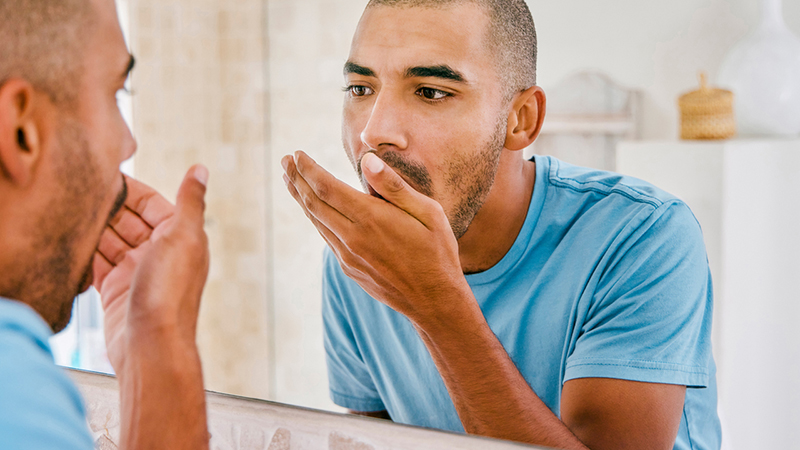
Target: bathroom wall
{"type": "Point", "coordinates": [653, 46]}
{"type": "Point", "coordinates": [200, 96]}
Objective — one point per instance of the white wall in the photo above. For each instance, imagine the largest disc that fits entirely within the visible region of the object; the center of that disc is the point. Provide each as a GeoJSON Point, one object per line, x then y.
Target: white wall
{"type": "Point", "coordinates": [655, 46]}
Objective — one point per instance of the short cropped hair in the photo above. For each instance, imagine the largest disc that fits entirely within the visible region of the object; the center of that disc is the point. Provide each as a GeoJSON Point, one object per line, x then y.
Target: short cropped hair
{"type": "Point", "coordinates": [511, 36]}
{"type": "Point", "coordinates": [41, 41]}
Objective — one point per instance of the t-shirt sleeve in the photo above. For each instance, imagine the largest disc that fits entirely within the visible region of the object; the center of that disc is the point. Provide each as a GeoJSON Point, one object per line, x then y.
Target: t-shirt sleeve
{"type": "Point", "coordinates": [650, 316]}
{"type": "Point", "coordinates": [350, 383]}
{"type": "Point", "coordinates": [40, 407]}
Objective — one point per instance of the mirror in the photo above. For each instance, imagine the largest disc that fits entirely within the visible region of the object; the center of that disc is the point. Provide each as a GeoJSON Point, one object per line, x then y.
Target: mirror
{"type": "Point", "coordinates": [237, 85]}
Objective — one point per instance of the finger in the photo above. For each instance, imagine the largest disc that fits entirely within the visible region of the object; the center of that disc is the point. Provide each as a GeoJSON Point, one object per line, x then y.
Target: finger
{"type": "Point", "coordinates": [131, 227]}
{"type": "Point", "coordinates": [191, 204]}
{"type": "Point", "coordinates": [147, 203]}
{"type": "Point", "coordinates": [100, 269]}
{"type": "Point", "coordinates": [112, 247]}
{"type": "Point", "coordinates": [327, 234]}
{"type": "Point", "coordinates": [312, 205]}
{"type": "Point", "coordinates": [331, 191]}
{"type": "Point", "coordinates": [395, 190]}
{"type": "Point", "coordinates": [118, 280]}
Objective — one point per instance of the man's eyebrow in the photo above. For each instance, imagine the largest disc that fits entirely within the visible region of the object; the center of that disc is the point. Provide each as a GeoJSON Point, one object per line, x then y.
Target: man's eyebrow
{"type": "Point", "coordinates": [129, 68]}
{"type": "Point", "coordinates": [351, 67]}
{"type": "Point", "coordinates": [441, 71]}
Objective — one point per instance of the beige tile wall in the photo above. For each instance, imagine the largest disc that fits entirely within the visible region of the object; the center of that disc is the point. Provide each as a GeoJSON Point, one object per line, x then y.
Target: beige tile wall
{"type": "Point", "coordinates": [237, 84]}
{"type": "Point", "coordinates": [309, 41]}
{"type": "Point", "coordinates": [200, 96]}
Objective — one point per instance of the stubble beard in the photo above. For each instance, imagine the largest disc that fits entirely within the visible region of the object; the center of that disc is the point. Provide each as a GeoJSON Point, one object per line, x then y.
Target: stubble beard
{"type": "Point", "coordinates": [51, 283]}
{"type": "Point", "coordinates": [472, 177]}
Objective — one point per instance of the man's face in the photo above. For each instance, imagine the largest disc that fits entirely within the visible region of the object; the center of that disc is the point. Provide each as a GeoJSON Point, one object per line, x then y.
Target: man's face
{"type": "Point", "coordinates": [424, 94]}
{"type": "Point", "coordinates": [86, 186]}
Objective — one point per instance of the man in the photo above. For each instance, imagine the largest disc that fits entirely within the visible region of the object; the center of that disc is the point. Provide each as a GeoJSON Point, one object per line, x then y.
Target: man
{"type": "Point", "coordinates": [62, 139]}
{"type": "Point", "coordinates": [474, 290]}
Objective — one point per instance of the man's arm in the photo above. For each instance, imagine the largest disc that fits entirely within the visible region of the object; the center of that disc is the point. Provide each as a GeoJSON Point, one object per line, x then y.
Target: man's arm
{"type": "Point", "coordinates": [402, 252]}
{"type": "Point", "coordinates": [150, 269]}
{"type": "Point", "coordinates": [493, 399]}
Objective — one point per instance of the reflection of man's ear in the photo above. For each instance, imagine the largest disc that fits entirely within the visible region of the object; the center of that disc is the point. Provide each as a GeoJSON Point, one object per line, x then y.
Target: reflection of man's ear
{"type": "Point", "coordinates": [525, 118]}
{"type": "Point", "coordinates": [19, 133]}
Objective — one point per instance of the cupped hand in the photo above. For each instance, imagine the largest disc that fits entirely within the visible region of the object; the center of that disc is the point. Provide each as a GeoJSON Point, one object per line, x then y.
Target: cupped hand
{"type": "Point", "coordinates": [400, 249]}
{"type": "Point", "coordinates": [151, 267]}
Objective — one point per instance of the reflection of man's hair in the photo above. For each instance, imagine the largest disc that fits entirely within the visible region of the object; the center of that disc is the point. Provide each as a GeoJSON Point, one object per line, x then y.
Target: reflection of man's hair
{"type": "Point", "coordinates": [41, 42]}
{"type": "Point", "coordinates": [511, 36]}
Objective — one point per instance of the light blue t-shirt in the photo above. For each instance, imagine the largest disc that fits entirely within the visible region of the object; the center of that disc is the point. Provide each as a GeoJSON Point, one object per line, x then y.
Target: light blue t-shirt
{"type": "Point", "coordinates": [40, 407]}
{"type": "Point", "coordinates": [608, 278]}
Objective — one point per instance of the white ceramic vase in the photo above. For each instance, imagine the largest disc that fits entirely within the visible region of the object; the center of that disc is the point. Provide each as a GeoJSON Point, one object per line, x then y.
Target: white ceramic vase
{"type": "Point", "coordinates": [763, 71]}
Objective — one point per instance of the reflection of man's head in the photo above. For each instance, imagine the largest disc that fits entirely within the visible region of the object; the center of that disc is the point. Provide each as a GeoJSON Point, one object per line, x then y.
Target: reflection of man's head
{"type": "Point", "coordinates": [61, 141]}
{"type": "Point", "coordinates": [429, 85]}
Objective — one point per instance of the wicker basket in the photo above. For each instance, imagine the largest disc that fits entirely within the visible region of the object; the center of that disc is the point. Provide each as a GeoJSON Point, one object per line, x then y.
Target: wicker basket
{"type": "Point", "coordinates": [707, 113]}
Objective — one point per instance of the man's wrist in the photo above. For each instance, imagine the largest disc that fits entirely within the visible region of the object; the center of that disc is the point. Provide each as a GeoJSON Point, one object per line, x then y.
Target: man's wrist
{"type": "Point", "coordinates": [451, 312]}
{"type": "Point", "coordinates": [158, 352]}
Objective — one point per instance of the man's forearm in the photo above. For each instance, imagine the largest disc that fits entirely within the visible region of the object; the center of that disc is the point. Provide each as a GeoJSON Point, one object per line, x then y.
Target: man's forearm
{"type": "Point", "coordinates": [163, 400]}
{"type": "Point", "coordinates": [489, 393]}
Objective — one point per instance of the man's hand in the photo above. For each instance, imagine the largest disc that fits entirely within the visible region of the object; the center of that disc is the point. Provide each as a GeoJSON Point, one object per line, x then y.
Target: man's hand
{"type": "Point", "coordinates": [400, 250]}
{"type": "Point", "coordinates": [150, 269]}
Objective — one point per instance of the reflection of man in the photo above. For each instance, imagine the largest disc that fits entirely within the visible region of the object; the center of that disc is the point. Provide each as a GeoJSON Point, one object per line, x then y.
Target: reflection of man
{"type": "Point", "coordinates": [62, 139]}
{"type": "Point", "coordinates": [526, 300]}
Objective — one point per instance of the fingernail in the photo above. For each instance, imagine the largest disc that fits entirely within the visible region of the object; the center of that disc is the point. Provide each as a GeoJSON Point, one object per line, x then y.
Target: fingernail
{"type": "Point", "coordinates": [285, 162]}
{"type": "Point", "coordinates": [373, 163]}
{"type": "Point", "coordinates": [201, 174]}
{"type": "Point", "coordinates": [286, 180]}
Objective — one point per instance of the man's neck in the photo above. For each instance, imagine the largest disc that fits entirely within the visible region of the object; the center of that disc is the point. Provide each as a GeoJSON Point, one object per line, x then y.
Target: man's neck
{"type": "Point", "coordinates": [498, 223]}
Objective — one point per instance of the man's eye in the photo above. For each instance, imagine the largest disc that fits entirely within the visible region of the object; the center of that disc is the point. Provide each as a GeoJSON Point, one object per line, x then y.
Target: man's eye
{"type": "Point", "coordinates": [359, 91]}
{"type": "Point", "coordinates": [432, 94]}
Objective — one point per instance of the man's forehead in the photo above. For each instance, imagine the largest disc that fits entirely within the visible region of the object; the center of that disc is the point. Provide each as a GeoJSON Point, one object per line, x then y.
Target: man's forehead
{"type": "Point", "coordinates": [107, 41]}
{"type": "Point", "coordinates": [399, 38]}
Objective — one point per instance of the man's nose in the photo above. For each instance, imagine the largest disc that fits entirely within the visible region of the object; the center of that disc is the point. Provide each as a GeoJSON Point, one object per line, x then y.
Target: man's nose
{"type": "Point", "coordinates": [386, 125]}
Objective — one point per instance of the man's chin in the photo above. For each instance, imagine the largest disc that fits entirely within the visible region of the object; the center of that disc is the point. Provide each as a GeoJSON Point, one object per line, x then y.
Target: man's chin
{"type": "Point", "coordinates": [64, 317]}
{"type": "Point", "coordinates": [87, 281]}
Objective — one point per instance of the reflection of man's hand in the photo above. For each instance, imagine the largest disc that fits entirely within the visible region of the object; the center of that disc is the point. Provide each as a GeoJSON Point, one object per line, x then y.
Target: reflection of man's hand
{"type": "Point", "coordinates": [151, 267]}
{"type": "Point", "coordinates": [401, 251]}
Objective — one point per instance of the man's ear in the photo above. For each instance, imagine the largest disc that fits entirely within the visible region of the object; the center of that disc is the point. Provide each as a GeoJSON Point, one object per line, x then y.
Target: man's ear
{"type": "Point", "coordinates": [525, 118]}
{"type": "Point", "coordinates": [20, 140]}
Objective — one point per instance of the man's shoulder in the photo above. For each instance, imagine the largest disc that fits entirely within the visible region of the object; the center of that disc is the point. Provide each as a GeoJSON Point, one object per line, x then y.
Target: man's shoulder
{"type": "Point", "coordinates": [610, 204]}
{"type": "Point", "coordinates": [20, 322]}
{"type": "Point", "coordinates": [40, 407]}
{"type": "Point", "coordinates": [597, 185]}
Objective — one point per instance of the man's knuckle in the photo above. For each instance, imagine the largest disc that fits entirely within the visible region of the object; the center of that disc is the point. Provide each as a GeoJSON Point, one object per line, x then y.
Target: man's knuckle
{"type": "Point", "coordinates": [348, 261]}
{"type": "Point", "coordinates": [309, 201]}
{"type": "Point", "coordinates": [323, 191]}
{"type": "Point", "coordinates": [395, 184]}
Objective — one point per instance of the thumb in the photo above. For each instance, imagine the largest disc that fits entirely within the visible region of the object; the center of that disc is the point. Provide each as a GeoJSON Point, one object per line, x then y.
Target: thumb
{"type": "Point", "coordinates": [395, 190]}
{"type": "Point", "coordinates": [191, 204]}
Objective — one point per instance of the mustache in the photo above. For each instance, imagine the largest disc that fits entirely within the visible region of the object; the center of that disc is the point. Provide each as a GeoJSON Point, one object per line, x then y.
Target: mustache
{"type": "Point", "coordinates": [416, 174]}
{"type": "Point", "coordinates": [120, 200]}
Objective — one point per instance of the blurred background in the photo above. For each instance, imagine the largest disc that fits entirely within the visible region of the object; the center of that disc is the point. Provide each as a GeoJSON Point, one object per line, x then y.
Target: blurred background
{"type": "Point", "coordinates": [237, 84]}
